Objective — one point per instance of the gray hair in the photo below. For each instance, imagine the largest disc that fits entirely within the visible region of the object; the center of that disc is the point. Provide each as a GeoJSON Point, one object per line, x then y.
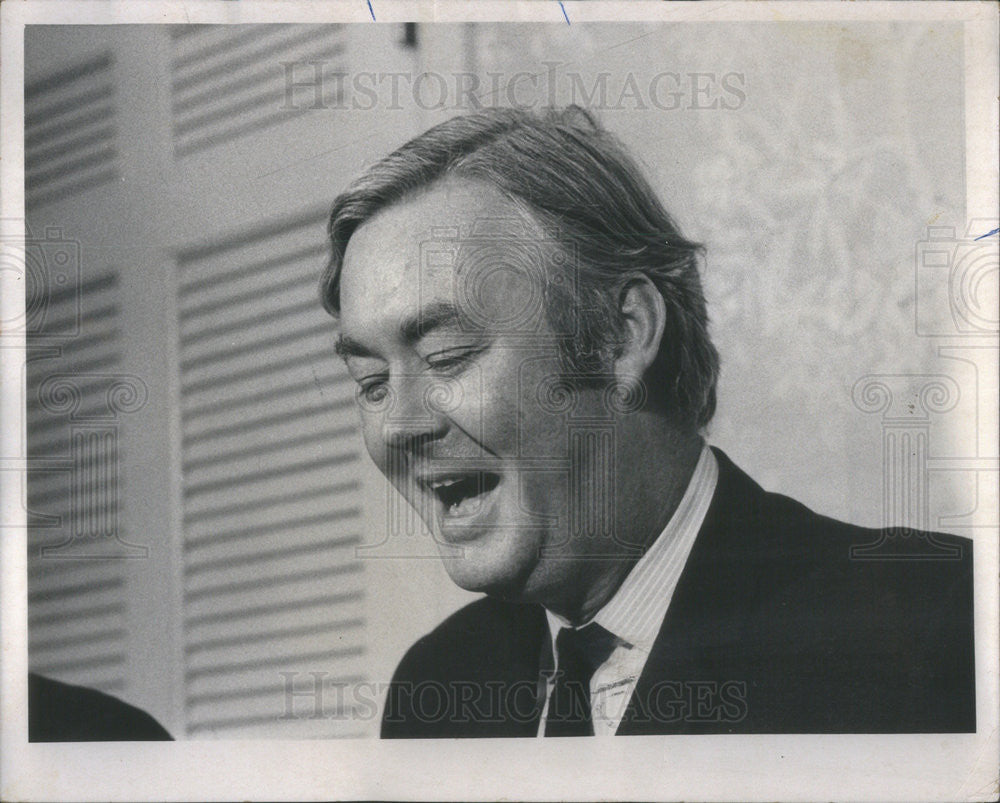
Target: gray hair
{"type": "Point", "coordinates": [576, 177]}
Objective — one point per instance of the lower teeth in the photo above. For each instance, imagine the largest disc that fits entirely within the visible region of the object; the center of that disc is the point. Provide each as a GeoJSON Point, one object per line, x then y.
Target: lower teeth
{"type": "Point", "coordinates": [466, 507]}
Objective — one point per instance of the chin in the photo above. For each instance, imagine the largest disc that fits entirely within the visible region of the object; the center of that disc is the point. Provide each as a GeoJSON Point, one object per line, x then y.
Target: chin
{"type": "Point", "coordinates": [499, 575]}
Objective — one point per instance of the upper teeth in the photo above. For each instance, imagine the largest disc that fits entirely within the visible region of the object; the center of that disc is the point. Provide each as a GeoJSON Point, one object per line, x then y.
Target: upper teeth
{"type": "Point", "coordinates": [435, 484]}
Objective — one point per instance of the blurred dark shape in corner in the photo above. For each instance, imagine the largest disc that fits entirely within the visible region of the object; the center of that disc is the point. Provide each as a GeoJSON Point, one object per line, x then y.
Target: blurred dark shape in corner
{"type": "Point", "coordinates": [59, 712]}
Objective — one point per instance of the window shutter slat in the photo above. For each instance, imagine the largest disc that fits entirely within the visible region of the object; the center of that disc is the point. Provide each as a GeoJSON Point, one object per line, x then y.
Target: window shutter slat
{"type": "Point", "coordinates": [272, 585]}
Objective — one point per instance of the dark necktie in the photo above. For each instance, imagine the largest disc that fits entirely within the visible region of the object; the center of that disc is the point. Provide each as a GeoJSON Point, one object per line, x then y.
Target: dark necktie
{"type": "Point", "coordinates": [579, 653]}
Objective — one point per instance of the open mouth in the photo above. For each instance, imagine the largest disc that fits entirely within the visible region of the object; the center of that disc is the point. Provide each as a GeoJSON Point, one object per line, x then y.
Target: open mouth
{"type": "Point", "coordinates": [463, 494]}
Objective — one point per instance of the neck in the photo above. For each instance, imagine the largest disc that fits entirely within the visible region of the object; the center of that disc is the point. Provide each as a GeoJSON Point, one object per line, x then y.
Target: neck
{"type": "Point", "coordinates": [651, 479]}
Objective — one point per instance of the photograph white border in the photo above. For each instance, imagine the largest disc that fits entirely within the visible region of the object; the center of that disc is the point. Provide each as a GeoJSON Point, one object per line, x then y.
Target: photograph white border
{"type": "Point", "coordinates": [753, 767]}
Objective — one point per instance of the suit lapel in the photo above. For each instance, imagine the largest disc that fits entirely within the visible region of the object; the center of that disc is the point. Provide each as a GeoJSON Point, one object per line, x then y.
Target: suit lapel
{"type": "Point", "coordinates": [714, 595]}
{"type": "Point", "coordinates": [514, 674]}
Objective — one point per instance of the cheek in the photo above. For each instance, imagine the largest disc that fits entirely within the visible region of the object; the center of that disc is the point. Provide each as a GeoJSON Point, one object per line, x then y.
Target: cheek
{"type": "Point", "coordinates": [371, 434]}
{"type": "Point", "coordinates": [490, 414]}
{"type": "Point", "coordinates": [511, 383]}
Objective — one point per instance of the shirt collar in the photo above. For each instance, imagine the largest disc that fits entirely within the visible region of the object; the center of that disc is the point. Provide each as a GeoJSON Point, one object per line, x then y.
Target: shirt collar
{"type": "Point", "coordinates": [635, 613]}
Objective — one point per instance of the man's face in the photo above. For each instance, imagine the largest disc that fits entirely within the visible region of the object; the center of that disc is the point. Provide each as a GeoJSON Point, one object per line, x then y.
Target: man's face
{"type": "Point", "coordinates": [458, 372]}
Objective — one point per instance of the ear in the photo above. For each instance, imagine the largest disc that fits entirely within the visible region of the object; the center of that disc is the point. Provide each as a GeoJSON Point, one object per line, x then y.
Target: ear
{"type": "Point", "coordinates": [644, 314]}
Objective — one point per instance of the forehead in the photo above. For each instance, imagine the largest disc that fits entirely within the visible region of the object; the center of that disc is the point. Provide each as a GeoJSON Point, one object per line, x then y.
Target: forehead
{"type": "Point", "coordinates": [419, 251]}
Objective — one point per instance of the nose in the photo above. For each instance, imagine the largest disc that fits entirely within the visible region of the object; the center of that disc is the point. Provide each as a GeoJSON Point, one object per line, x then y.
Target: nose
{"type": "Point", "coordinates": [416, 417]}
{"type": "Point", "coordinates": [409, 436]}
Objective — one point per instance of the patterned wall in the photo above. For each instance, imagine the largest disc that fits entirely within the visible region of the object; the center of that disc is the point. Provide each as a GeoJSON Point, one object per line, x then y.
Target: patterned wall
{"type": "Point", "coordinates": [810, 160]}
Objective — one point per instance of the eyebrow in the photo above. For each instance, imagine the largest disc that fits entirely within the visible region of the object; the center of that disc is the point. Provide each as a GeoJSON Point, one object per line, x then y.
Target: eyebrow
{"type": "Point", "coordinates": [437, 315]}
{"type": "Point", "coordinates": [346, 346]}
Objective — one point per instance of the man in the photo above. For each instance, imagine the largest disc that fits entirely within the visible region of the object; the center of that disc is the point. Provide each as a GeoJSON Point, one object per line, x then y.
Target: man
{"type": "Point", "coordinates": [528, 333]}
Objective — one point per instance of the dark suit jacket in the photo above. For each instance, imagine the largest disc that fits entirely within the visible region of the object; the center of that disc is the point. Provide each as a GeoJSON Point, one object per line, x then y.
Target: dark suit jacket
{"type": "Point", "coordinates": [783, 621]}
{"type": "Point", "coordinates": [59, 712]}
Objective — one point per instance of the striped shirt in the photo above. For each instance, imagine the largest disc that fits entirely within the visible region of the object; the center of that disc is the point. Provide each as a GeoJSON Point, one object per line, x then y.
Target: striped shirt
{"type": "Point", "coordinates": [635, 613]}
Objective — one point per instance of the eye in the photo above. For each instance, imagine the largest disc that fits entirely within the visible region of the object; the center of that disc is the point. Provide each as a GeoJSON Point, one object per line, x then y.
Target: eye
{"type": "Point", "coordinates": [373, 391]}
{"type": "Point", "coordinates": [450, 358]}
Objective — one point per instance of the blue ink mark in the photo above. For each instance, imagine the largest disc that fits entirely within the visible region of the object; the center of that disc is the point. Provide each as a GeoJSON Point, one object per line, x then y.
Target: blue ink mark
{"type": "Point", "coordinates": [988, 234]}
{"type": "Point", "coordinates": [370, 10]}
{"type": "Point", "coordinates": [565, 15]}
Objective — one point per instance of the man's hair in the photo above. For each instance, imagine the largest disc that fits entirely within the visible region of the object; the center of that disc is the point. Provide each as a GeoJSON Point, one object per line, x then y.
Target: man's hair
{"type": "Point", "coordinates": [577, 178]}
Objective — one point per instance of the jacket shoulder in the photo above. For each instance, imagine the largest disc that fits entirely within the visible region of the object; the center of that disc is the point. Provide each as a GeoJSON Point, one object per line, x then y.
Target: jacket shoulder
{"type": "Point", "coordinates": [487, 631]}
{"type": "Point", "coordinates": [61, 712]}
{"type": "Point", "coordinates": [786, 542]}
{"type": "Point", "coordinates": [880, 620]}
{"type": "Point", "coordinates": [474, 675]}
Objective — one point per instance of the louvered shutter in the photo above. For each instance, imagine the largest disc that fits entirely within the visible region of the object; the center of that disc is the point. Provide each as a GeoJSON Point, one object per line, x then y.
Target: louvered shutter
{"type": "Point", "coordinates": [271, 489]}
{"type": "Point", "coordinates": [77, 622]}
{"type": "Point", "coordinates": [76, 571]}
{"type": "Point", "coordinates": [229, 81]}
{"type": "Point", "coordinates": [69, 132]}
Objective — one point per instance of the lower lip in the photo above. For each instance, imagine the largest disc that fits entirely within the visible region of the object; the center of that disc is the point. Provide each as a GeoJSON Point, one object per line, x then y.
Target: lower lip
{"type": "Point", "coordinates": [458, 527]}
